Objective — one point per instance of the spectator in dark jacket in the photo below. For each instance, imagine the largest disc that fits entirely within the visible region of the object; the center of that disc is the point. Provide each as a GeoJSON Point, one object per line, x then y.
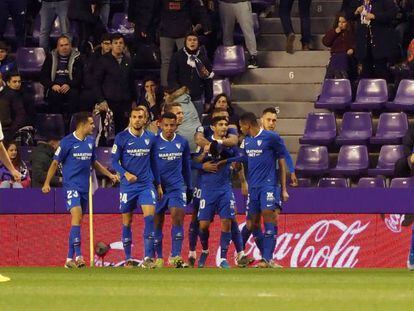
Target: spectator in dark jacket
{"type": "Point", "coordinates": [141, 13]}
{"type": "Point", "coordinates": [17, 10]}
{"type": "Point", "coordinates": [375, 37]}
{"type": "Point", "coordinates": [7, 62]}
{"type": "Point", "coordinates": [12, 111]}
{"type": "Point", "coordinates": [152, 98]}
{"type": "Point", "coordinates": [61, 77]}
{"type": "Point", "coordinates": [341, 40]}
{"type": "Point", "coordinates": [114, 82]}
{"type": "Point", "coordinates": [176, 20]}
{"type": "Point", "coordinates": [191, 67]}
{"type": "Point", "coordinates": [41, 158]}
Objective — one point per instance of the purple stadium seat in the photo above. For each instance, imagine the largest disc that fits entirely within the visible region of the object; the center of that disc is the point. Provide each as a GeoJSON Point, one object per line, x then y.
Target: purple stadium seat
{"type": "Point", "coordinates": [312, 160]}
{"type": "Point", "coordinates": [404, 99]}
{"type": "Point", "coordinates": [332, 183]}
{"type": "Point", "coordinates": [238, 34]}
{"type": "Point", "coordinates": [221, 86]}
{"type": "Point", "coordinates": [229, 60]}
{"type": "Point", "coordinates": [371, 94]}
{"type": "Point", "coordinates": [336, 94]}
{"type": "Point", "coordinates": [30, 61]}
{"type": "Point", "coordinates": [121, 25]}
{"type": "Point", "coordinates": [49, 123]}
{"type": "Point", "coordinates": [304, 182]}
{"type": "Point", "coordinates": [320, 129]}
{"type": "Point", "coordinates": [403, 182]}
{"type": "Point", "coordinates": [391, 128]}
{"type": "Point", "coordinates": [356, 129]}
{"type": "Point", "coordinates": [352, 161]}
{"type": "Point", "coordinates": [389, 154]}
{"type": "Point", "coordinates": [371, 182]}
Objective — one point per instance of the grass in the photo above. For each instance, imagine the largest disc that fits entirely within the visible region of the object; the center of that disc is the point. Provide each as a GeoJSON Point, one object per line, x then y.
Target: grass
{"type": "Point", "coordinates": [206, 289]}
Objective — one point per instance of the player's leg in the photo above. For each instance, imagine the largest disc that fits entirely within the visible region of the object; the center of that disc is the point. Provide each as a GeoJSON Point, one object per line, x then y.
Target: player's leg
{"type": "Point", "coordinates": [193, 228]}
{"type": "Point", "coordinates": [128, 202]}
{"type": "Point", "coordinates": [204, 234]}
{"type": "Point", "coordinates": [246, 231]}
{"type": "Point", "coordinates": [147, 200]}
{"type": "Point", "coordinates": [159, 217]}
{"type": "Point", "coordinates": [74, 205]}
{"type": "Point", "coordinates": [205, 216]}
{"type": "Point", "coordinates": [225, 239]}
{"type": "Point", "coordinates": [254, 213]}
{"type": "Point", "coordinates": [177, 236]}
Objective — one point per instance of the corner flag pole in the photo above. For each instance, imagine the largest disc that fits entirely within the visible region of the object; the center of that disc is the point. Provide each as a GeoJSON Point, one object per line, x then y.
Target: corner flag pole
{"type": "Point", "coordinates": [91, 244]}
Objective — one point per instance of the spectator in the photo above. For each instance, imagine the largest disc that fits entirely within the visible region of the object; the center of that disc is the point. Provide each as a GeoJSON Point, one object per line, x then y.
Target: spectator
{"type": "Point", "coordinates": [114, 83]}
{"type": "Point", "coordinates": [240, 10]}
{"type": "Point", "coordinates": [48, 12]}
{"type": "Point", "coordinates": [176, 20]}
{"type": "Point", "coordinates": [142, 14]}
{"type": "Point", "coordinates": [17, 10]}
{"type": "Point", "coordinates": [191, 67]}
{"type": "Point", "coordinates": [6, 178]}
{"type": "Point", "coordinates": [61, 77]}
{"type": "Point", "coordinates": [42, 157]}
{"type": "Point", "coordinates": [341, 40]}
{"type": "Point", "coordinates": [178, 101]}
{"type": "Point", "coordinates": [12, 111]}
{"type": "Point", "coordinates": [88, 97]}
{"type": "Point", "coordinates": [7, 62]}
{"type": "Point", "coordinates": [222, 101]}
{"type": "Point", "coordinates": [152, 98]}
{"type": "Point", "coordinates": [104, 12]}
{"type": "Point", "coordinates": [375, 38]}
{"type": "Point", "coordinates": [285, 9]}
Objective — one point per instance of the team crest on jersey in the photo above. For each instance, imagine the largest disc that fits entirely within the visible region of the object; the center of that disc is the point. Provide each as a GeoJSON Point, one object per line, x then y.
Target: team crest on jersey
{"type": "Point", "coordinates": [90, 146]}
{"type": "Point", "coordinates": [114, 148]}
{"type": "Point", "coordinates": [178, 146]}
{"type": "Point", "coordinates": [69, 202]}
{"type": "Point", "coordinates": [259, 142]}
{"type": "Point", "coordinates": [147, 141]}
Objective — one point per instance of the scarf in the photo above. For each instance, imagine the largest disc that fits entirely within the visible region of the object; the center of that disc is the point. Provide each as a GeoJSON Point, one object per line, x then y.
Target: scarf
{"type": "Point", "coordinates": [194, 62]}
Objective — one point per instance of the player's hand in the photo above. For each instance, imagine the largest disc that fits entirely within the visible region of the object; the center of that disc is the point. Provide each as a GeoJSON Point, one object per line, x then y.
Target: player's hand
{"type": "Point", "coordinates": [206, 148]}
{"type": "Point", "coordinates": [131, 178]}
{"type": "Point", "coordinates": [244, 188]}
{"type": "Point", "coordinates": [285, 195]}
{"type": "Point", "coordinates": [221, 163]}
{"type": "Point", "coordinates": [16, 175]}
{"type": "Point", "coordinates": [190, 195]}
{"type": "Point", "coordinates": [210, 167]}
{"type": "Point", "coordinates": [46, 188]}
{"type": "Point", "coordinates": [293, 180]}
{"type": "Point", "coordinates": [114, 178]}
{"type": "Point", "coordinates": [160, 192]}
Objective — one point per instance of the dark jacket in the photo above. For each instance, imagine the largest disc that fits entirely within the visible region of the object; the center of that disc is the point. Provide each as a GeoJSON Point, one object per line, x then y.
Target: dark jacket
{"type": "Point", "coordinates": [339, 42]}
{"type": "Point", "coordinates": [41, 158]}
{"type": "Point", "coordinates": [181, 74]}
{"type": "Point", "coordinates": [383, 38]}
{"type": "Point", "coordinates": [89, 68]}
{"type": "Point", "coordinates": [114, 81]}
{"type": "Point", "coordinates": [81, 10]}
{"type": "Point", "coordinates": [48, 72]}
{"type": "Point", "coordinates": [12, 113]}
{"type": "Point", "coordinates": [143, 14]}
{"type": "Point", "coordinates": [177, 16]}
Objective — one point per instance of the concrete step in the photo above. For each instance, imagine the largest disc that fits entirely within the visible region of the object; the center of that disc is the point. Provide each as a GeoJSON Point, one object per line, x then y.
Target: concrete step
{"type": "Point", "coordinates": [276, 92]}
{"type": "Point", "coordinates": [282, 75]}
{"type": "Point", "coordinates": [287, 110]}
{"type": "Point", "coordinates": [269, 59]}
{"type": "Point", "coordinates": [291, 126]}
{"type": "Point", "coordinates": [324, 8]}
{"type": "Point", "coordinates": [277, 42]}
{"type": "Point", "coordinates": [292, 143]}
{"type": "Point", "coordinates": [273, 25]}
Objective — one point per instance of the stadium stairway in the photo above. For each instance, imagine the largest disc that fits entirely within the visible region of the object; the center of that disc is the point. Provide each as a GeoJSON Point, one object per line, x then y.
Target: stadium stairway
{"type": "Point", "coordinates": [290, 82]}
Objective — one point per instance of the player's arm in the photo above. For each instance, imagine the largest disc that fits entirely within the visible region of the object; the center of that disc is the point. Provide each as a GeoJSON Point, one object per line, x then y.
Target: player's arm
{"type": "Point", "coordinates": [291, 169]}
{"type": "Point", "coordinates": [4, 158]}
{"type": "Point", "coordinates": [116, 162]}
{"type": "Point", "coordinates": [50, 173]}
{"type": "Point", "coordinates": [230, 141]}
{"type": "Point", "coordinates": [104, 171]}
{"type": "Point", "coordinates": [282, 178]}
{"type": "Point", "coordinates": [202, 155]}
{"type": "Point", "coordinates": [243, 180]}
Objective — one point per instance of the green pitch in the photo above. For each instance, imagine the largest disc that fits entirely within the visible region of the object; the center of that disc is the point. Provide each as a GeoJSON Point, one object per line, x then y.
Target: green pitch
{"type": "Point", "coordinates": [208, 289]}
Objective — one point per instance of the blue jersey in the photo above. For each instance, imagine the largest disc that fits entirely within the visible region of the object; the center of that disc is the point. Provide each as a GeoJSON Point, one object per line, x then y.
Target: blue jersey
{"type": "Point", "coordinates": [76, 157]}
{"type": "Point", "coordinates": [135, 155]}
{"type": "Point", "coordinates": [262, 153]}
{"type": "Point", "coordinates": [173, 162]}
{"type": "Point", "coordinates": [208, 131]}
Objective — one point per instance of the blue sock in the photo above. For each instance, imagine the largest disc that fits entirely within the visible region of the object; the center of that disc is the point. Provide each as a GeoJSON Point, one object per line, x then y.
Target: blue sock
{"type": "Point", "coordinates": [258, 238]}
{"type": "Point", "coordinates": [412, 242]}
{"type": "Point", "coordinates": [75, 233]}
{"type": "Point", "coordinates": [127, 241]}
{"type": "Point", "coordinates": [245, 233]}
{"type": "Point", "coordinates": [71, 249]}
{"type": "Point", "coordinates": [275, 239]}
{"type": "Point", "coordinates": [224, 244]}
{"type": "Point", "coordinates": [177, 236]}
{"type": "Point", "coordinates": [193, 235]}
{"type": "Point", "coordinates": [268, 241]}
{"type": "Point", "coordinates": [149, 236]}
{"type": "Point", "coordinates": [158, 242]}
{"type": "Point", "coordinates": [236, 236]}
{"type": "Point", "coordinates": [204, 235]}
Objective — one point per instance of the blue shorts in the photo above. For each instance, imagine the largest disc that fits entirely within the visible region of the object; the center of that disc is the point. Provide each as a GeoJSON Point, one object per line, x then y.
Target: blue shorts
{"type": "Point", "coordinates": [174, 198]}
{"type": "Point", "coordinates": [196, 199]}
{"type": "Point", "coordinates": [220, 202]}
{"type": "Point", "coordinates": [263, 198]}
{"type": "Point", "coordinates": [129, 200]}
{"type": "Point", "coordinates": [75, 198]}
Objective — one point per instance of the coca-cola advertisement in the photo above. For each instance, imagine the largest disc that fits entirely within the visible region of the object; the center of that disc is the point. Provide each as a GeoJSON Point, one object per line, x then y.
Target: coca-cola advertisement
{"type": "Point", "coordinates": [304, 241]}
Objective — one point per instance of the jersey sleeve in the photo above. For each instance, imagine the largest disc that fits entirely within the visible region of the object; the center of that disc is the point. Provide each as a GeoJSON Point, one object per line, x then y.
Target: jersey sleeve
{"type": "Point", "coordinates": [116, 155]}
{"type": "Point", "coordinates": [278, 146]}
{"type": "Point", "coordinates": [61, 152]}
{"type": "Point", "coordinates": [232, 131]}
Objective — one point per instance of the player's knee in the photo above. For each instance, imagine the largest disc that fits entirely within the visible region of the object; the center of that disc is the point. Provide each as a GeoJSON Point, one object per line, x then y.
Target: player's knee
{"type": "Point", "coordinates": [268, 216]}
{"type": "Point", "coordinates": [204, 226]}
{"type": "Point", "coordinates": [226, 225]}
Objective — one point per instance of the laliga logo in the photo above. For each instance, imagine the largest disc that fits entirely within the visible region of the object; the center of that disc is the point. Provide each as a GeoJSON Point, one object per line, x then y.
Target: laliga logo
{"type": "Point", "coordinates": [394, 222]}
{"type": "Point", "coordinates": [308, 249]}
